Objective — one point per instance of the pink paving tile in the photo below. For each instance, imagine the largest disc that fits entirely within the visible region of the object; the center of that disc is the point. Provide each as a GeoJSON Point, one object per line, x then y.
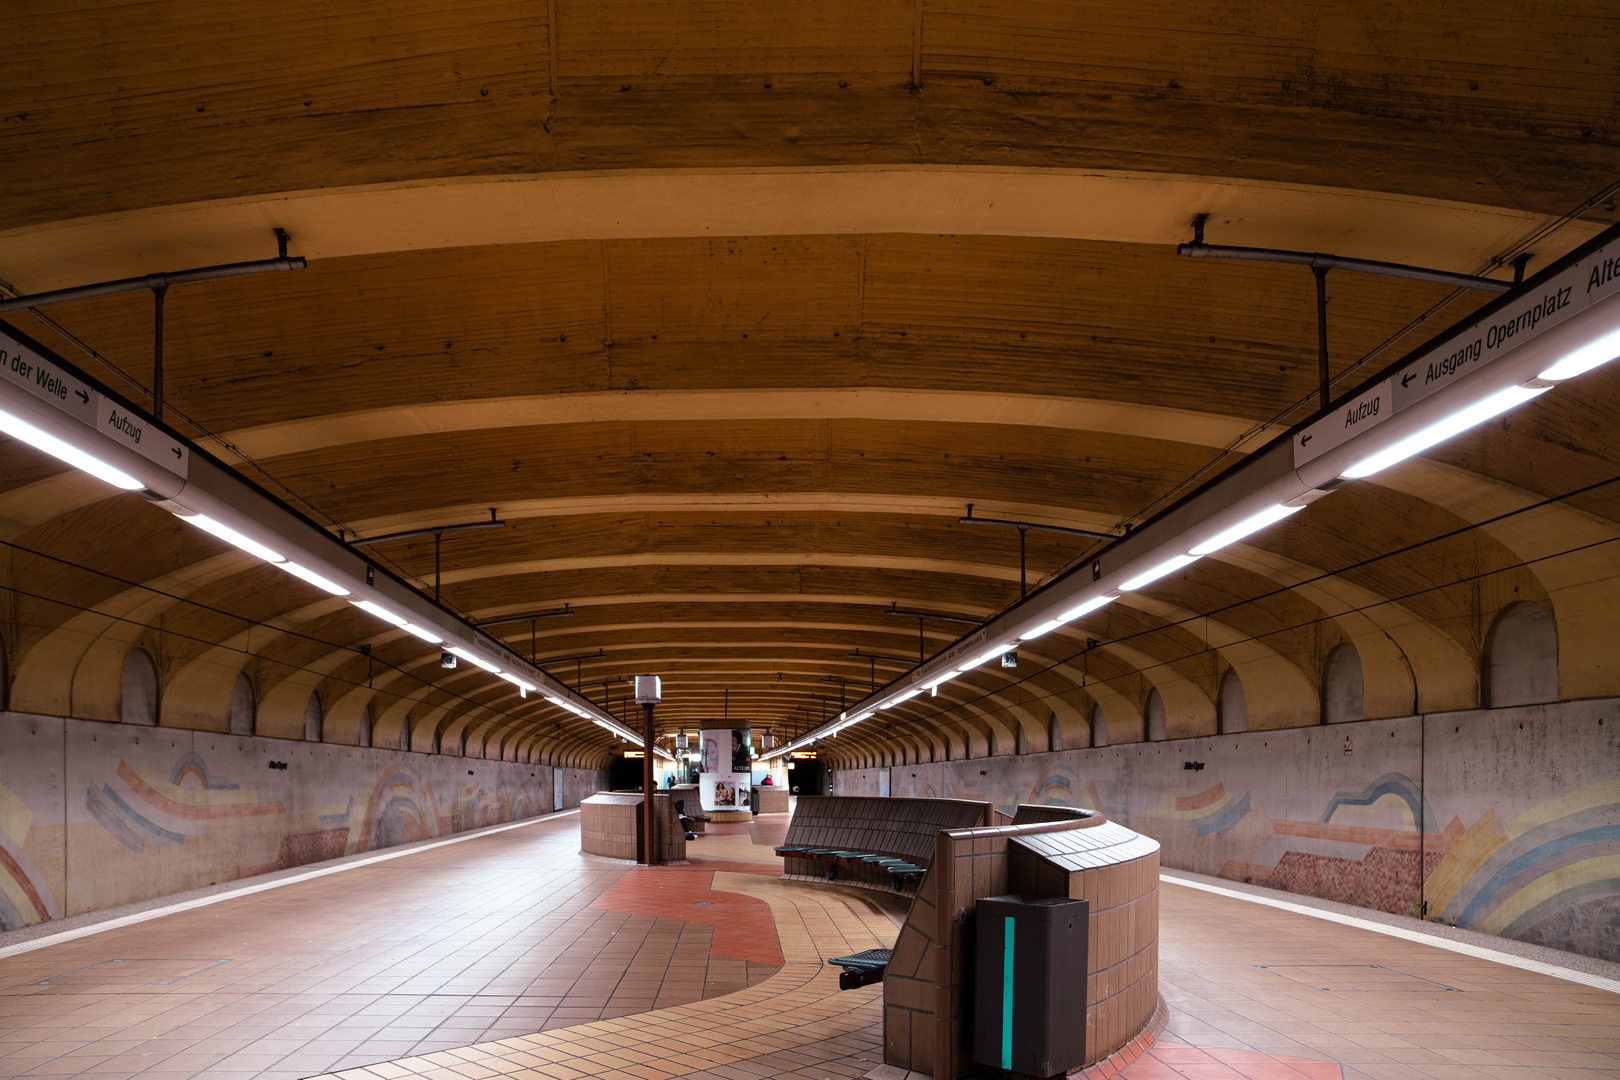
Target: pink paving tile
{"type": "Point", "coordinates": [743, 926]}
{"type": "Point", "coordinates": [1210, 1070]}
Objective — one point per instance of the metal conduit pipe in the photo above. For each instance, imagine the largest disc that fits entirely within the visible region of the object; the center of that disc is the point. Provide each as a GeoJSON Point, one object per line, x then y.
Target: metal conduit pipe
{"type": "Point", "coordinates": [152, 281]}
{"type": "Point", "coordinates": [1319, 261]}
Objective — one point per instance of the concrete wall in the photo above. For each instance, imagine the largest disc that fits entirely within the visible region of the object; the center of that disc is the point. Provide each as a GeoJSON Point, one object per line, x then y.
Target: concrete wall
{"type": "Point", "coordinates": [93, 815]}
{"type": "Point", "coordinates": [1519, 811]}
{"type": "Point", "coordinates": [856, 782]}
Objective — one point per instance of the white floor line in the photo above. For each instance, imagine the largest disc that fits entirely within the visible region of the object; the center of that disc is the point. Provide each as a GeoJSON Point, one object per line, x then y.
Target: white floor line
{"type": "Point", "coordinates": [248, 890]}
{"type": "Point", "coordinates": [1523, 963]}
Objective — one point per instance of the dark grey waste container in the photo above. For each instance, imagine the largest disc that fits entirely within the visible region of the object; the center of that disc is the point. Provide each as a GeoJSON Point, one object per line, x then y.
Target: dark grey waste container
{"type": "Point", "coordinates": [1029, 1012]}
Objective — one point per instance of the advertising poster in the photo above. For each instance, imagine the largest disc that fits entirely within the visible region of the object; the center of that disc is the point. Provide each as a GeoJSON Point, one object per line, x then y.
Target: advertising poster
{"type": "Point", "coordinates": [741, 760]}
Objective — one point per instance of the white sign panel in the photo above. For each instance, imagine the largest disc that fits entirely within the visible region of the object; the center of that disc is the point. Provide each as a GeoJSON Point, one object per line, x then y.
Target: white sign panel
{"type": "Point", "coordinates": [1345, 423]}
{"type": "Point", "coordinates": [1488, 339]}
{"type": "Point", "coordinates": [136, 432]}
{"type": "Point", "coordinates": [21, 367]}
{"type": "Point", "coordinates": [1538, 310]}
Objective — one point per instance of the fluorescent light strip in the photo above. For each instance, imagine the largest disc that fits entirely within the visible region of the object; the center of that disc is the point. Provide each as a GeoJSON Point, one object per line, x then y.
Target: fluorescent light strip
{"type": "Point", "coordinates": [23, 431]}
{"type": "Point", "coordinates": [475, 660]}
{"type": "Point", "coordinates": [422, 632]}
{"type": "Point", "coordinates": [988, 655]}
{"type": "Point", "coordinates": [1044, 628]}
{"type": "Point", "coordinates": [232, 537]}
{"type": "Point", "coordinates": [1169, 566]}
{"type": "Point", "coordinates": [382, 613]}
{"type": "Point", "coordinates": [1087, 607]}
{"type": "Point", "coordinates": [1251, 524]}
{"type": "Point", "coordinates": [1592, 354]}
{"type": "Point", "coordinates": [313, 578]}
{"type": "Point", "coordinates": [1443, 429]}
{"type": "Point", "coordinates": [908, 695]}
{"type": "Point", "coordinates": [942, 678]}
{"type": "Point", "coordinates": [521, 684]}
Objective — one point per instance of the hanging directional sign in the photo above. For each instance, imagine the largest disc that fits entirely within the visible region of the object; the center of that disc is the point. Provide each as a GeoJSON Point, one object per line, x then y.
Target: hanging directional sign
{"type": "Point", "coordinates": [1524, 316]}
{"type": "Point", "coordinates": [25, 369]}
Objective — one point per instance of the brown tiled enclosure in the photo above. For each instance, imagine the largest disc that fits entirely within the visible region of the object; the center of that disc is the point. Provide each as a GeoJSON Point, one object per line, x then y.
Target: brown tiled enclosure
{"type": "Point", "coordinates": [610, 824]}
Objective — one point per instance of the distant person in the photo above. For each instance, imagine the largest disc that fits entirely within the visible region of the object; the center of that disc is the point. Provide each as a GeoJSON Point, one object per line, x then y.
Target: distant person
{"type": "Point", "coordinates": [767, 782]}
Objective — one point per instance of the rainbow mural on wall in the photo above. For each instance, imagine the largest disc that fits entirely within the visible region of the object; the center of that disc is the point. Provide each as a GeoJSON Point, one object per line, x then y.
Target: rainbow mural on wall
{"type": "Point", "coordinates": [139, 806]}
{"type": "Point", "coordinates": [1549, 875]}
{"type": "Point", "coordinates": [24, 897]}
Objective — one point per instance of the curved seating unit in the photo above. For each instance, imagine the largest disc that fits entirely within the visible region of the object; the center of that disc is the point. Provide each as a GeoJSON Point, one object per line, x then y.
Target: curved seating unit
{"type": "Point", "coordinates": [875, 842]}
{"type": "Point", "coordinates": [1047, 851]}
{"type": "Point", "coordinates": [610, 825]}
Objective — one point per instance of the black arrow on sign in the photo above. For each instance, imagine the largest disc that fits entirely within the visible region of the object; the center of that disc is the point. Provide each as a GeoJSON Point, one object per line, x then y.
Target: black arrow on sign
{"type": "Point", "coordinates": [1406, 379]}
{"type": "Point", "coordinates": [176, 450]}
{"type": "Point", "coordinates": [1303, 439]}
{"type": "Point", "coordinates": [84, 397]}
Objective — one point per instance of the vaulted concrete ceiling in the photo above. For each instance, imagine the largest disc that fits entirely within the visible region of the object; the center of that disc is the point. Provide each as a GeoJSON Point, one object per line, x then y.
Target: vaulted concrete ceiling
{"type": "Point", "coordinates": [732, 308]}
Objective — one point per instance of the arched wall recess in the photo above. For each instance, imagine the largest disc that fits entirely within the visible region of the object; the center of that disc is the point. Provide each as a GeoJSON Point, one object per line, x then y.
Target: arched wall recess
{"type": "Point", "coordinates": [242, 705]}
{"type": "Point", "coordinates": [1233, 709]}
{"type": "Point", "coordinates": [1154, 716]}
{"type": "Point", "coordinates": [1342, 698]}
{"type": "Point", "coordinates": [74, 669]}
{"type": "Point", "coordinates": [1187, 706]}
{"type": "Point", "coordinates": [5, 677]}
{"type": "Point", "coordinates": [1281, 692]}
{"type": "Point", "coordinates": [348, 715]}
{"type": "Point", "coordinates": [1521, 657]}
{"type": "Point", "coordinates": [1582, 588]}
{"type": "Point", "coordinates": [139, 701]}
{"type": "Point", "coordinates": [313, 718]}
{"type": "Point", "coordinates": [1054, 732]}
{"type": "Point", "coordinates": [1435, 667]}
{"type": "Point", "coordinates": [1099, 725]}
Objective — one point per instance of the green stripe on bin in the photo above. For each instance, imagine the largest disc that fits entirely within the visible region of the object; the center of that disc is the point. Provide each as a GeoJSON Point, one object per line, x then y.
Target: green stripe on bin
{"type": "Point", "coordinates": [1006, 994]}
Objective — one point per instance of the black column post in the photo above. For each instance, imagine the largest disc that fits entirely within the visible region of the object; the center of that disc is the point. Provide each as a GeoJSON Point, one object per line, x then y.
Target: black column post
{"type": "Point", "coordinates": [157, 351]}
{"type": "Point", "coordinates": [647, 788]}
{"type": "Point", "coordinates": [1321, 331]}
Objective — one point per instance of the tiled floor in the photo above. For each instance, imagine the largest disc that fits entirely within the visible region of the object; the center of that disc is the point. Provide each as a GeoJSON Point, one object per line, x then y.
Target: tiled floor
{"type": "Point", "coordinates": [514, 955]}
{"type": "Point", "coordinates": [503, 935]}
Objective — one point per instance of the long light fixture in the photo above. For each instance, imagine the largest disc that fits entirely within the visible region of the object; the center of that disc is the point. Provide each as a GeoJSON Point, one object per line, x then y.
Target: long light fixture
{"type": "Point", "coordinates": [49, 405]}
{"type": "Point", "coordinates": [1444, 428]}
{"type": "Point", "coordinates": [1249, 525]}
{"type": "Point", "coordinates": [1087, 607]}
{"type": "Point", "coordinates": [317, 580]}
{"type": "Point", "coordinates": [1152, 574]}
{"type": "Point", "coordinates": [1583, 359]}
{"type": "Point", "coordinates": [232, 537]}
{"type": "Point", "coordinates": [66, 452]}
{"type": "Point", "coordinates": [1558, 325]}
{"type": "Point", "coordinates": [474, 659]}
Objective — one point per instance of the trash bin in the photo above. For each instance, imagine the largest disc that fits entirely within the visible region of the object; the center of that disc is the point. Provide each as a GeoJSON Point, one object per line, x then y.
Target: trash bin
{"type": "Point", "coordinates": [1029, 1010]}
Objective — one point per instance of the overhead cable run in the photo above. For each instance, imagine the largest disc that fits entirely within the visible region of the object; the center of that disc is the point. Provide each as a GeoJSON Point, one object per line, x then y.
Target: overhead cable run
{"type": "Point", "coordinates": [1555, 326]}
{"type": "Point", "coordinates": [56, 408]}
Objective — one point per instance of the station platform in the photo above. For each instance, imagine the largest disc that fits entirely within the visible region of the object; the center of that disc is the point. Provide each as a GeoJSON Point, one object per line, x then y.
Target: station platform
{"type": "Point", "coordinates": [508, 953]}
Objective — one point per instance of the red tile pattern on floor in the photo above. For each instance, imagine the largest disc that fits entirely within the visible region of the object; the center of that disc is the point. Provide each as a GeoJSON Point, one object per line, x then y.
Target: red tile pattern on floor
{"type": "Point", "coordinates": [743, 927]}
